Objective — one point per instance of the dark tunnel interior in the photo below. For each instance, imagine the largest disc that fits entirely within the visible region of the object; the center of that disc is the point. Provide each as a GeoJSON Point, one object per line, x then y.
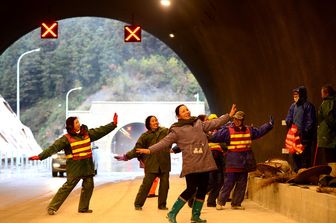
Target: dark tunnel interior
{"type": "Point", "coordinates": [252, 53]}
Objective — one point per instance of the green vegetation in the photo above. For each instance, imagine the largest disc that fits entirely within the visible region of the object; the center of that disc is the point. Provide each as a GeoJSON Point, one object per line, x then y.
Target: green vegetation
{"type": "Point", "coordinates": [90, 52]}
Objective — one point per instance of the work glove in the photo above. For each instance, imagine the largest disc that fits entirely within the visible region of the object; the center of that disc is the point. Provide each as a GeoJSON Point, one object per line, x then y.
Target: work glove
{"type": "Point", "coordinates": [115, 119]}
{"type": "Point", "coordinates": [271, 121]}
{"type": "Point", "coordinates": [34, 158]}
{"type": "Point", "coordinates": [121, 157]}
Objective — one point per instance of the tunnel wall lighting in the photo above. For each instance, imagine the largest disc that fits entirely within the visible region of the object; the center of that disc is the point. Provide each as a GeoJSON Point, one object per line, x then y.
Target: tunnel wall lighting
{"type": "Point", "coordinates": [165, 3]}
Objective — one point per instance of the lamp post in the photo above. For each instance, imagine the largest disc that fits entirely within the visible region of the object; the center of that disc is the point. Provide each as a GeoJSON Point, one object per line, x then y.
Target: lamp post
{"type": "Point", "coordinates": [197, 97]}
{"type": "Point", "coordinates": [67, 99]}
{"type": "Point", "coordinates": [18, 81]}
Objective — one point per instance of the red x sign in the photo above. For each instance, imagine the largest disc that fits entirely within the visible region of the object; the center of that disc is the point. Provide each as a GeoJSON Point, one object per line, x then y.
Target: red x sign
{"type": "Point", "coordinates": [49, 31]}
{"type": "Point", "coordinates": [132, 34]}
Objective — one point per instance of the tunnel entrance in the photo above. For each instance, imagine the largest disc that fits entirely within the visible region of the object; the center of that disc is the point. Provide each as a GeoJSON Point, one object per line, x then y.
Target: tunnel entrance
{"type": "Point", "coordinates": [126, 137]}
{"type": "Point", "coordinates": [123, 141]}
{"type": "Point", "coordinates": [101, 67]}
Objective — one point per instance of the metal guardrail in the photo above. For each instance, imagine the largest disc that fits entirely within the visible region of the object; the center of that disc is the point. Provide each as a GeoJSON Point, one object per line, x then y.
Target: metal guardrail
{"type": "Point", "coordinates": [15, 161]}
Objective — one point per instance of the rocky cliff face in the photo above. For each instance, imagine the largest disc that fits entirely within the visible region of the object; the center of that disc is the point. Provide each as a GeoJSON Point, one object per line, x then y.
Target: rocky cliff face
{"type": "Point", "coordinates": [15, 138]}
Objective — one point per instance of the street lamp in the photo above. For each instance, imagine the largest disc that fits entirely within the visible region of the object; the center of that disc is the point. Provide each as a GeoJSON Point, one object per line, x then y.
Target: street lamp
{"type": "Point", "coordinates": [18, 81]}
{"type": "Point", "coordinates": [66, 100]}
{"type": "Point", "coordinates": [197, 97]}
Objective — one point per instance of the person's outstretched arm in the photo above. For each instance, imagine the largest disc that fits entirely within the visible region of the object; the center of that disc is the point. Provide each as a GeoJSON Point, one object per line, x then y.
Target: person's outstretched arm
{"type": "Point", "coordinates": [164, 143]}
{"type": "Point", "coordinates": [57, 146]}
{"type": "Point", "coordinates": [256, 133]}
{"type": "Point", "coordinates": [141, 143]}
{"type": "Point", "coordinates": [97, 133]}
{"type": "Point", "coordinates": [215, 123]}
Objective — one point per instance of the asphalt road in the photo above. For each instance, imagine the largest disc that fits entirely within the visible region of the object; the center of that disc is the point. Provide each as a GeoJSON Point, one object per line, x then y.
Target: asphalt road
{"type": "Point", "coordinates": [25, 196]}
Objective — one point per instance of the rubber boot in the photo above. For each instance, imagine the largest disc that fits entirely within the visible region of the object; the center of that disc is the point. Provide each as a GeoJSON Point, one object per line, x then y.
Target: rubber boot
{"type": "Point", "coordinates": [179, 203]}
{"type": "Point", "coordinates": [196, 212]}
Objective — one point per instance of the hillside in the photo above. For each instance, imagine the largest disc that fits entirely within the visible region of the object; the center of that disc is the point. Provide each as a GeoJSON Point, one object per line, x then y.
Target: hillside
{"type": "Point", "coordinates": [91, 53]}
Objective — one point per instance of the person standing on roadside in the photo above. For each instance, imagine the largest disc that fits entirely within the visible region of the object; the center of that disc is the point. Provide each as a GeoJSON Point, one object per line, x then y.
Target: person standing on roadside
{"type": "Point", "coordinates": [326, 131]}
{"type": "Point", "coordinates": [302, 116]}
{"type": "Point", "coordinates": [216, 177]}
{"type": "Point", "coordinates": [79, 164]}
{"type": "Point", "coordinates": [156, 165]}
{"type": "Point", "coordinates": [239, 158]}
{"type": "Point", "coordinates": [190, 135]}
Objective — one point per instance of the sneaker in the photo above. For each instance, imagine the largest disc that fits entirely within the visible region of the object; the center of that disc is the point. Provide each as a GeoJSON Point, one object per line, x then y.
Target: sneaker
{"type": "Point", "coordinates": [219, 207]}
{"type": "Point", "coordinates": [51, 212]}
{"type": "Point", "coordinates": [86, 211]}
{"type": "Point", "coordinates": [237, 208]}
{"type": "Point", "coordinates": [138, 208]}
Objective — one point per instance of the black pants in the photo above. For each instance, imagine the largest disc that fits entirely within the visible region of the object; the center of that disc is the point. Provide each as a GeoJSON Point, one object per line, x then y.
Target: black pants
{"type": "Point", "coordinates": [216, 181]}
{"type": "Point", "coordinates": [216, 178]}
{"type": "Point", "coordinates": [305, 159]}
{"type": "Point", "coordinates": [196, 183]}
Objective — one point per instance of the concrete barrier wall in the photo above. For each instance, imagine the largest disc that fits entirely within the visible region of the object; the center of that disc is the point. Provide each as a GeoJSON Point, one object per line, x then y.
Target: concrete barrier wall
{"type": "Point", "coordinates": [304, 205]}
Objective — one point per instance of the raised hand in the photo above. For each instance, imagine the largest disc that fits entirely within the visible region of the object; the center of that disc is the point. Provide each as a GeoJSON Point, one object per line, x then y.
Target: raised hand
{"type": "Point", "coordinates": [233, 110]}
{"type": "Point", "coordinates": [115, 118]}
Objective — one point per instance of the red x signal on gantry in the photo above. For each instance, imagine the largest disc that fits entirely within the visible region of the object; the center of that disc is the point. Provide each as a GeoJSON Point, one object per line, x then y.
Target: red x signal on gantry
{"type": "Point", "coordinates": [49, 31]}
{"type": "Point", "coordinates": [132, 33]}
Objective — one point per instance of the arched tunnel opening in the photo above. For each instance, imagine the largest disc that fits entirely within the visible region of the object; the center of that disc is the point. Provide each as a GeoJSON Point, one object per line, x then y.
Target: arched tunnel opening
{"type": "Point", "coordinates": [126, 137]}
{"type": "Point", "coordinates": [102, 66]}
{"type": "Point", "coordinates": [123, 141]}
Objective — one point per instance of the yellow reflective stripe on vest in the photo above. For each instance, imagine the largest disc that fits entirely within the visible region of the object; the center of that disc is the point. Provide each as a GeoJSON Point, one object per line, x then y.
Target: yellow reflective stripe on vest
{"type": "Point", "coordinates": [214, 144]}
{"type": "Point", "coordinates": [289, 142]}
{"type": "Point", "coordinates": [79, 154]}
{"type": "Point", "coordinates": [247, 135]}
{"type": "Point", "coordinates": [239, 147]}
{"type": "Point", "coordinates": [290, 137]}
{"type": "Point", "coordinates": [80, 142]}
{"type": "Point", "coordinates": [246, 142]}
{"type": "Point", "coordinates": [81, 149]}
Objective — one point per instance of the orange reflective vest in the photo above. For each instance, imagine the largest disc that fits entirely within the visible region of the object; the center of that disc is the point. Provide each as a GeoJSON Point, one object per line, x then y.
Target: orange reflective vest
{"type": "Point", "coordinates": [293, 141]}
{"type": "Point", "coordinates": [240, 156]}
{"type": "Point", "coordinates": [239, 141]}
{"type": "Point", "coordinates": [80, 148]}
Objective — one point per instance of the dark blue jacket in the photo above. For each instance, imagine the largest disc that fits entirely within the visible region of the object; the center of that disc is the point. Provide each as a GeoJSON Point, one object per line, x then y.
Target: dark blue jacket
{"type": "Point", "coordinates": [303, 114]}
{"type": "Point", "coordinates": [240, 161]}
